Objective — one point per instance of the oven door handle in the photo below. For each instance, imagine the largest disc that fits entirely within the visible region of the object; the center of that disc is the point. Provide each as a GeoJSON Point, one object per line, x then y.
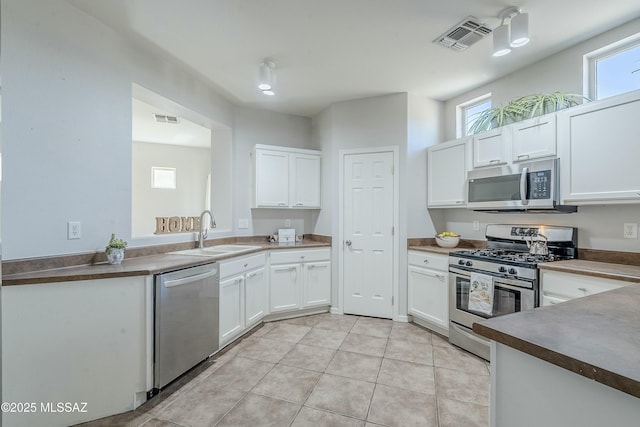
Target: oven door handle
{"type": "Point", "coordinates": [523, 186]}
{"type": "Point", "coordinates": [499, 282]}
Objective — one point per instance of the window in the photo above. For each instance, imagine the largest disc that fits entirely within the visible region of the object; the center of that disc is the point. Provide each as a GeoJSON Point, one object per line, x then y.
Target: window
{"type": "Point", "coordinates": [467, 113]}
{"type": "Point", "coordinates": [163, 178]}
{"type": "Point", "coordinates": [613, 69]}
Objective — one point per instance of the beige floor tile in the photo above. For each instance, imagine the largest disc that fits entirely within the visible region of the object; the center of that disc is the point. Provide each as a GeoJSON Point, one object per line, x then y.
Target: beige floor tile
{"type": "Point", "coordinates": [310, 321]}
{"type": "Point", "coordinates": [453, 413]}
{"type": "Point", "coordinates": [127, 419]}
{"type": "Point", "coordinates": [310, 417]}
{"type": "Point", "coordinates": [342, 395]}
{"type": "Point", "coordinates": [287, 383]}
{"type": "Point", "coordinates": [455, 358]}
{"type": "Point", "coordinates": [440, 341]}
{"type": "Point", "coordinates": [321, 337]}
{"type": "Point", "coordinates": [336, 322]}
{"type": "Point", "coordinates": [255, 410]}
{"type": "Point", "coordinates": [308, 357]}
{"type": "Point", "coordinates": [462, 386]}
{"type": "Point", "coordinates": [372, 327]}
{"type": "Point", "coordinates": [154, 422]}
{"type": "Point", "coordinates": [407, 375]}
{"type": "Point", "coordinates": [409, 351]}
{"type": "Point", "coordinates": [267, 350]}
{"type": "Point", "coordinates": [373, 346]}
{"type": "Point", "coordinates": [354, 365]}
{"type": "Point", "coordinates": [240, 373]}
{"type": "Point", "coordinates": [410, 332]}
{"type": "Point", "coordinates": [288, 333]}
{"type": "Point", "coordinates": [266, 327]}
{"type": "Point", "coordinates": [393, 407]}
{"type": "Point", "coordinates": [203, 405]}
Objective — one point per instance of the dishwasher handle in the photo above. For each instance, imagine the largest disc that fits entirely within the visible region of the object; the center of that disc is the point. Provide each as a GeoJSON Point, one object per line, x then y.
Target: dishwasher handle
{"type": "Point", "coordinates": [189, 279]}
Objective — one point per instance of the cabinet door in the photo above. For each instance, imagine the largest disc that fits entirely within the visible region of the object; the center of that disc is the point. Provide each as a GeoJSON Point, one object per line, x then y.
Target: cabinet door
{"type": "Point", "coordinates": [256, 296]}
{"type": "Point", "coordinates": [231, 308]}
{"type": "Point", "coordinates": [490, 148]}
{"type": "Point", "coordinates": [305, 181]}
{"type": "Point", "coordinates": [271, 178]}
{"type": "Point", "coordinates": [317, 284]}
{"type": "Point", "coordinates": [429, 295]}
{"type": "Point", "coordinates": [447, 167]}
{"type": "Point", "coordinates": [600, 151]}
{"type": "Point", "coordinates": [535, 138]}
{"type": "Point", "coordinates": [284, 282]}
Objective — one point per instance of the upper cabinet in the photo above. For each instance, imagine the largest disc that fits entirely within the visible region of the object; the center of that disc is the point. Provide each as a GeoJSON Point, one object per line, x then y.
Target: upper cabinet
{"type": "Point", "coordinates": [490, 148]}
{"type": "Point", "coordinates": [533, 139]}
{"type": "Point", "coordinates": [447, 167]}
{"type": "Point", "coordinates": [286, 178]}
{"type": "Point", "coordinates": [599, 149]}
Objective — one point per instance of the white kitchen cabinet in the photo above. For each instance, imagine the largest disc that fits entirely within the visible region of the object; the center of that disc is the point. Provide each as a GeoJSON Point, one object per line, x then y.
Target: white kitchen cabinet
{"type": "Point", "coordinates": [558, 286]}
{"type": "Point", "coordinates": [286, 178]}
{"type": "Point", "coordinates": [490, 148]}
{"type": "Point", "coordinates": [428, 290]}
{"type": "Point", "coordinates": [244, 295]}
{"type": "Point", "coordinates": [599, 149]}
{"type": "Point", "coordinates": [533, 139]}
{"type": "Point", "coordinates": [299, 279]}
{"type": "Point", "coordinates": [447, 167]}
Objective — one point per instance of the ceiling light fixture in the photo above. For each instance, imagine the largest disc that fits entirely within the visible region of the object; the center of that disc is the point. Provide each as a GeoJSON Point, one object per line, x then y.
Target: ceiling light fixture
{"type": "Point", "coordinates": [266, 77]}
{"type": "Point", "coordinates": [516, 34]}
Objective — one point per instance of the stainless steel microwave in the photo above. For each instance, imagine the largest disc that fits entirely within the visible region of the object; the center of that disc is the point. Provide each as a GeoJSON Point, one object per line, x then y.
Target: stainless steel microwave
{"type": "Point", "coordinates": [528, 187]}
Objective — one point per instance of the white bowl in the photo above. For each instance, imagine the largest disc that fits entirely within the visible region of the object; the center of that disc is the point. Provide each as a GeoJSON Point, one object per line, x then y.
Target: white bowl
{"type": "Point", "coordinates": [447, 241]}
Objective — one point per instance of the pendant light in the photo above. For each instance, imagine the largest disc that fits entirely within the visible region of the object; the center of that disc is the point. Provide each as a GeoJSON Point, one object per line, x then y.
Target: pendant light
{"type": "Point", "coordinates": [513, 34]}
{"type": "Point", "coordinates": [265, 79]}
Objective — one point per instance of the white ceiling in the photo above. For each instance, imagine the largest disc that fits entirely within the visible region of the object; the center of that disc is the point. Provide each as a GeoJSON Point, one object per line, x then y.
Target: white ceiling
{"type": "Point", "coordinates": [327, 51]}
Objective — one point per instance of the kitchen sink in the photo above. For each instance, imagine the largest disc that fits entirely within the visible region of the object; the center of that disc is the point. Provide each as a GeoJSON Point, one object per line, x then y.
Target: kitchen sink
{"type": "Point", "coordinates": [216, 251]}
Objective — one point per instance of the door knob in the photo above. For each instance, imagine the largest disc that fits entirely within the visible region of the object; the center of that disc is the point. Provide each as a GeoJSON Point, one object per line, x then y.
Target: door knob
{"type": "Point", "coordinates": [348, 243]}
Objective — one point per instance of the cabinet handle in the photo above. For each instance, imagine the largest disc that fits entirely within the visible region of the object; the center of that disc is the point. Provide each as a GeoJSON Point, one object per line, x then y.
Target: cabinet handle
{"type": "Point", "coordinates": [426, 261]}
{"type": "Point", "coordinates": [440, 276]}
{"type": "Point", "coordinates": [282, 204]}
{"type": "Point", "coordinates": [299, 204]}
{"type": "Point", "coordinates": [251, 275]}
{"type": "Point", "coordinates": [582, 289]}
{"type": "Point", "coordinates": [302, 257]}
{"type": "Point", "coordinates": [291, 268]}
{"type": "Point", "coordinates": [311, 266]}
{"type": "Point", "coordinates": [459, 202]}
{"type": "Point", "coordinates": [239, 280]}
{"type": "Point", "coordinates": [494, 161]}
{"type": "Point", "coordinates": [245, 266]}
{"type": "Point", "coordinates": [523, 156]}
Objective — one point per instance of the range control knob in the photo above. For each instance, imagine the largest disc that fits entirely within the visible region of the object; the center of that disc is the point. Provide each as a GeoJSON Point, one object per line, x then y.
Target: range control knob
{"type": "Point", "coordinates": [502, 269]}
{"type": "Point", "coordinates": [460, 262]}
{"type": "Point", "coordinates": [512, 271]}
{"type": "Point", "coordinates": [468, 264]}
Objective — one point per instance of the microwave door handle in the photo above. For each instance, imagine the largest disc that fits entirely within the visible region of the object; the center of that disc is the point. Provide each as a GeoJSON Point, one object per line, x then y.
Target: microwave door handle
{"type": "Point", "coordinates": [523, 186]}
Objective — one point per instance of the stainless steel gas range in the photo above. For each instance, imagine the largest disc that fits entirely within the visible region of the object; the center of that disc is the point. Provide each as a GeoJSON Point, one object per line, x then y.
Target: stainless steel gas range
{"type": "Point", "coordinates": [503, 278]}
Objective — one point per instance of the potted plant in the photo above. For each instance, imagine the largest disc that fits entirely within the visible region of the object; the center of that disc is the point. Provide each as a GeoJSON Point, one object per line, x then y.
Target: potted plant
{"type": "Point", "coordinates": [115, 250]}
{"type": "Point", "coordinates": [525, 107]}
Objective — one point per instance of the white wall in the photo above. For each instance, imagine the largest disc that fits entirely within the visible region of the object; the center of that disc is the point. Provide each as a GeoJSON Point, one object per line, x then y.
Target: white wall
{"type": "Point", "coordinates": [192, 164]}
{"type": "Point", "coordinates": [600, 227]}
{"type": "Point", "coordinates": [254, 126]}
{"type": "Point", "coordinates": [67, 134]}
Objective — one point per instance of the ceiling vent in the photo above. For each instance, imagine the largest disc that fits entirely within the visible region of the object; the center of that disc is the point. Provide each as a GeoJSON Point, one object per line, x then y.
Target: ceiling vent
{"type": "Point", "coordinates": [161, 118]}
{"type": "Point", "coordinates": [463, 35]}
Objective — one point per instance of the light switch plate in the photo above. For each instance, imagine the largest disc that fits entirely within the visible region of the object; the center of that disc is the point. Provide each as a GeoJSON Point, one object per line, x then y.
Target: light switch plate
{"type": "Point", "coordinates": [243, 223]}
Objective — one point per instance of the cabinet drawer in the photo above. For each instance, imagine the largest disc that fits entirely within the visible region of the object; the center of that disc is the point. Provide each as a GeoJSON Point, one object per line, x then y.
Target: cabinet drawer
{"type": "Point", "coordinates": [569, 285]}
{"type": "Point", "coordinates": [240, 265]}
{"type": "Point", "coordinates": [429, 260]}
{"type": "Point", "coordinates": [290, 257]}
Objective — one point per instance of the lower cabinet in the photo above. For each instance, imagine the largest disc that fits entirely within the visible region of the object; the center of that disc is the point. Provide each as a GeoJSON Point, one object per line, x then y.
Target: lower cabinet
{"type": "Point", "coordinates": [558, 286]}
{"type": "Point", "coordinates": [428, 290]}
{"type": "Point", "coordinates": [300, 279]}
{"type": "Point", "coordinates": [244, 295]}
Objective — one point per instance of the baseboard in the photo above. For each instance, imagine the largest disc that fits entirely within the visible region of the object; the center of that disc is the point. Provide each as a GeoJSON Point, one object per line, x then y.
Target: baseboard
{"type": "Point", "coordinates": [295, 313]}
{"type": "Point", "coordinates": [402, 318]}
{"type": "Point", "coordinates": [336, 310]}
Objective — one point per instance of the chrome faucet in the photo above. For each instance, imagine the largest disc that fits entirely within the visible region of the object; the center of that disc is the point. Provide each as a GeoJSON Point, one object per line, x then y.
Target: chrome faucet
{"type": "Point", "coordinates": [203, 232]}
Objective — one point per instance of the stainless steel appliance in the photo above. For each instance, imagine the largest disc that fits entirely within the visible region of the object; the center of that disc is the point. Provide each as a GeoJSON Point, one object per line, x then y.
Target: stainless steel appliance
{"type": "Point", "coordinates": [186, 320]}
{"type": "Point", "coordinates": [512, 272]}
{"type": "Point", "coordinates": [531, 187]}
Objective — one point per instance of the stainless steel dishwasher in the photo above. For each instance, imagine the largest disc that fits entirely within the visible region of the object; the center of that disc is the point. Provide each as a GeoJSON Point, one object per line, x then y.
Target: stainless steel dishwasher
{"type": "Point", "coordinates": [186, 320]}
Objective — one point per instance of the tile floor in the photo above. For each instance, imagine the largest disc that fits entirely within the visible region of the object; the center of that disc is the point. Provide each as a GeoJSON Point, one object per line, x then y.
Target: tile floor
{"type": "Point", "coordinates": [326, 370]}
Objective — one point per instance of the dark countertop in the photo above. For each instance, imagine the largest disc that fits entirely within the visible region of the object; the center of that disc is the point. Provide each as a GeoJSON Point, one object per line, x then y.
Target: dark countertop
{"type": "Point", "coordinates": [597, 336]}
{"type": "Point", "coordinates": [628, 273]}
{"type": "Point", "coordinates": [138, 266]}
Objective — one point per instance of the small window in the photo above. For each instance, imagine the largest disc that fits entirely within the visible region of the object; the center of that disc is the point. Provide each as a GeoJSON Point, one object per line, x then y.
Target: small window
{"type": "Point", "coordinates": [163, 178]}
{"type": "Point", "coordinates": [468, 112]}
{"type": "Point", "coordinates": [613, 69]}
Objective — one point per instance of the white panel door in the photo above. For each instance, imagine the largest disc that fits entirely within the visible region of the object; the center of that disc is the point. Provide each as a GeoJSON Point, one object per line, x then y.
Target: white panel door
{"type": "Point", "coordinates": [368, 233]}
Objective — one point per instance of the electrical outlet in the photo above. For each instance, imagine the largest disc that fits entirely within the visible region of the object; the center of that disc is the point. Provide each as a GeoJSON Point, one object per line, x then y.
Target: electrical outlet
{"type": "Point", "coordinates": [630, 231]}
{"type": "Point", "coordinates": [74, 231]}
{"type": "Point", "coordinates": [287, 223]}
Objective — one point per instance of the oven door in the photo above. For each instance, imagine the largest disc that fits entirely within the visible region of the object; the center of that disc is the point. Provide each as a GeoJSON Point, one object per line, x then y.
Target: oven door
{"type": "Point", "coordinates": [509, 296]}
